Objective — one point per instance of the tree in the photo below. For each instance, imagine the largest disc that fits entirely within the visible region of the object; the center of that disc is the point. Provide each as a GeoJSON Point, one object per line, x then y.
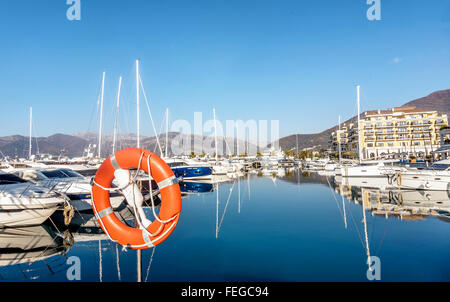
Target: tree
{"type": "Point", "coordinates": [288, 153]}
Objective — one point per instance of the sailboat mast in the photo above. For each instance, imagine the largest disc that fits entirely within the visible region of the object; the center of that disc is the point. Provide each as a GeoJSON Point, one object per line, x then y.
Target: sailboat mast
{"type": "Point", "coordinates": [217, 210]}
{"type": "Point", "coordinates": [359, 129]}
{"type": "Point", "coordinates": [215, 132]}
{"type": "Point", "coordinates": [339, 139]}
{"type": "Point", "coordinates": [101, 118]}
{"type": "Point", "coordinates": [31, 127]}
{"type": "Point", "coordinates": [137, 105]}
{"type": "Point", "coordinates": [117, 116]}
{"type": "Point", "coordinates": [237, 142]}
{"type": "Point", "coordinates": [167, 132]}
{"type": "Point", "coordinates": [364, 198]}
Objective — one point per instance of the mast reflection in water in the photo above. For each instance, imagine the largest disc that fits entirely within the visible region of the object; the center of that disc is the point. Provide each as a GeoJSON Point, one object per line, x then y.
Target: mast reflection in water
{"type": "Point", "coordinates": [274, 225]}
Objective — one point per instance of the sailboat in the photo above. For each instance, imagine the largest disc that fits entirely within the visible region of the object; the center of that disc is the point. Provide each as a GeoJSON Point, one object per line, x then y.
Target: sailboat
{"type": "Point", "coordinates": [368, 168]}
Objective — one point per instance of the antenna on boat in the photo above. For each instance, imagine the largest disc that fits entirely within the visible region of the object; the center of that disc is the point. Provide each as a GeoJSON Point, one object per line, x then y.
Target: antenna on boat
{"type": "Point", "coordinates": [101, 118]}
{"type": "Point", "coordinates": [31, 123]}
{"type": "Point", "coordinates": [117, 116]}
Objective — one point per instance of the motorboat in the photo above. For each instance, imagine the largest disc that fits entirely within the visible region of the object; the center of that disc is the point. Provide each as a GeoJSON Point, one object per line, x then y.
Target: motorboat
{"type": "Point", "coordinates": [74, 185]}
{"type": "Point", "coordinates": [434, 178]}
{"type": "Point", "coordinates": [23, 203]}
{"type": "Point", "coordinates": [372, 169]}
{"type": "Point", "coordinates": [183, 170]}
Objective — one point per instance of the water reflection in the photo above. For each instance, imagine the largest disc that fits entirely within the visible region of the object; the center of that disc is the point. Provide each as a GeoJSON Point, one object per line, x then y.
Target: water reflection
{"type": "Point", "coordinates": [22, 247]}
{"type": "Point", "coordinates": [312, 226]}
{"type": "Point", "coordinates": [403, 204]}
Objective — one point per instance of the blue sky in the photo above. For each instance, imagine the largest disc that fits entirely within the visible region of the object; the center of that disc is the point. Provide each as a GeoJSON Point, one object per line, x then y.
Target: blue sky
{"type": "Point", "coordinates": [293, 61]}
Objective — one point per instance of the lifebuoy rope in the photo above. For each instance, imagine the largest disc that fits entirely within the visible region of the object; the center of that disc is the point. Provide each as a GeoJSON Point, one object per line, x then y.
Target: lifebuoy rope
{"type": "Point", "coordinates": [146, 234]}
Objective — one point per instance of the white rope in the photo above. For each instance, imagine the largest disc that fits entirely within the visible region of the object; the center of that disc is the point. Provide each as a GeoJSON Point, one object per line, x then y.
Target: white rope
{"type": "Point", "coordinates": [151, 197]}
{"type": "Point", "coordinates": [132, 182]}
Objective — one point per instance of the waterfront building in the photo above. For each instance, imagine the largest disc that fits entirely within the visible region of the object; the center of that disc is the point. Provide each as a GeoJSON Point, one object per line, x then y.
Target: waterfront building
{"type": "Point", "coordinates": [400, 130]}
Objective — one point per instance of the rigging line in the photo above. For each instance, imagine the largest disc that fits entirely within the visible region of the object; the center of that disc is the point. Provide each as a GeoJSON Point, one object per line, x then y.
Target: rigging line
{"type": "Point", "coordinates": [226, 205]}
{"type": "Point", "coordinates": [373, 229]}
{"type": "Point", "coordinates": [150, 263]}
{"type": "Point", "coordinates": [160, 131]}
{"type": "Point", "coordinates": [334, 195]}
{"type": "Point", "coordinates": [356, 228]}
{"type": "Point", "coordinates": [92, 112]}
{"type": "Point", "coordinates": [150, 114]}
{"type": "Point", "coordinates": [382, 238]}
{"type": "Point", "coordinates": [100, 260]}
{"type": "Point", "coordinates": [117, 262]}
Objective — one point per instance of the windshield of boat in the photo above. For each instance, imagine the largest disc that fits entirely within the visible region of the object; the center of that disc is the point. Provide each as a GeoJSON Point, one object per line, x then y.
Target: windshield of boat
{"type": "Point", "coordinates": [177, 164]}
{"type": "Point", "coordinates": [61, 173]}
{"type": "Point", "coordinates": [440, 166]}
{"type": "Point", "coordinates": [7, 179]}
{"type": "Point", "coordinates": [31, 175]}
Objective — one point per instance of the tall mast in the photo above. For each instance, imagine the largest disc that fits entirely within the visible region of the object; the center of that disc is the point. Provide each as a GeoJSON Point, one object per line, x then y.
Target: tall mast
{"type": "Point", "coordinates": [237, 142]}
{"type": "Point", "coordinates": [359, 130]}
{"type": "Point", "coordinates": [117, 116]}
{"type": "Point", "coordinates": [215, 131]}
{"type": "Point", "coordinates": [101, 118]}
{"type": "Point", "coordinates": [31, 127]}
{"type": "Point", "coordinates": [217, 210]}
{"type": "Point", "coordinates": [339, 139]}
{"type": "Point", "coordinates": [138, 252]}
{"type": "Point", "coordinates": [137, 104]}
{"type": "Point", "coordinates": [167, 132]}
{"type": "Point", "coordinates": [364, 198]}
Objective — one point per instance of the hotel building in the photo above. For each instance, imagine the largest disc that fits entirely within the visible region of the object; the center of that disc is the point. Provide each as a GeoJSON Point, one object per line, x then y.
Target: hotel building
{"type": "Point", "coordinates": [398, 130]}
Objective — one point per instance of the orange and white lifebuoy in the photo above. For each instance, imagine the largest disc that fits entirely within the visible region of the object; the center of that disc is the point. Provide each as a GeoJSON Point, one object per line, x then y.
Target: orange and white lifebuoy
{"type": "Point", "coordinates": [169, 214]}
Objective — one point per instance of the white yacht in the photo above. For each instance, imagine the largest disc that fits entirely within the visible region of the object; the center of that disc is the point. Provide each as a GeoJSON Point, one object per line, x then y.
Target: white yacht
{"type": "Point", "coordinates": [23, 203]}
{"type": "Point", "coordinates": [434, 178]}
{"type": "Point", "coordinates": [372, 169]}
{"type": "Point", "coordinates": [75, 186]}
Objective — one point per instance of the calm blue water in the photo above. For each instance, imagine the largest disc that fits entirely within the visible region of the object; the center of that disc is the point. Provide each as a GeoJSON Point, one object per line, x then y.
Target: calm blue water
{"type": "Point", "coordinates": [282, 229]}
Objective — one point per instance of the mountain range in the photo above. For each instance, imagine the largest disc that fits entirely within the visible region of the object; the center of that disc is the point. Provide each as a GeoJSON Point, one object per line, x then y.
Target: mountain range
{"type": "Point", "coordinates": [437, 101]}
{"type": "Point", "coordinates": [76, 144]}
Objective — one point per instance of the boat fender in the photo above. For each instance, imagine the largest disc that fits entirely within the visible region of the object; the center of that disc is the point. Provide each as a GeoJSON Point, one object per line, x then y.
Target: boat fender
{"type": "Point", "coordinates": [398, 177]}
{"type": "Point", "coordinates": [132, 194]}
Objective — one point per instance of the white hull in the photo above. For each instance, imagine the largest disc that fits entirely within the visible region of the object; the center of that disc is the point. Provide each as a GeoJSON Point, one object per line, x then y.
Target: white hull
{"type": "Point", "coordinates": [25, 217]}
{"type": "Point", "coordinates": [380, 182]}
{"type": "Point", "coordinates": [86, 204]}
{"type": "Point", "coordinates": [369, 171]}
{"type": "Point", "coordinates": [28, 244]}
{"type": "Point", "coordinates": [425, 180]}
